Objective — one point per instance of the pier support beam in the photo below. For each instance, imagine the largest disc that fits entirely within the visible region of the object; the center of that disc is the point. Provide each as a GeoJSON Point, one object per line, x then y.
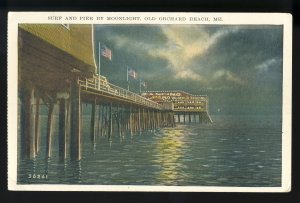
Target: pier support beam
{"type": "Point", "coordinates": [26, 121]}
{"type": "Point", "coordinates": [49, 130]}
{"type": "Point", "coordinates": [110, 125]}
{"type": "Point", "coordinates": [98, 110]}
{"type": "Point", "coordinates": [62, 129]}
{"type": "Point", "coordinates": [75, 140]}
{"type": "Point", "coordinates": [93, 120]}
{"type": "Point", "coordinates": [119, 112]}
{"type": "Point", "coordinates": [173, 119]}
{"type": "Point", "coordinates": [143, 120]}
{"type": "Point", "coordinates": [200, 118]}
{"type": "Point", "coordinates": [139, 119]}
{"type": "Point", "coordinates": [130, 120]}
{"type": "Point", "coordinates": [153, 120]}
{"type": "Point", "coordinates": [103, 119]}
{"type": "Point", "coordinates": [37, 125]}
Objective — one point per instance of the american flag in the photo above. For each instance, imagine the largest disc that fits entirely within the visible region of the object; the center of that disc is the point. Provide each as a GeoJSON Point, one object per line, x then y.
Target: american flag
{"type": "Point", "coordinates": [106, 52]}
{"type": "Point", "coordinates": [143, 83]}
{"type": "Point", "coordinates": [132, 73]}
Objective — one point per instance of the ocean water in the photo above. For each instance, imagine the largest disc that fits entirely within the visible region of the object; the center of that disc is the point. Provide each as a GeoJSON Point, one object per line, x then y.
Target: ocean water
{"type": "Point", "coordinates": [232, 151]}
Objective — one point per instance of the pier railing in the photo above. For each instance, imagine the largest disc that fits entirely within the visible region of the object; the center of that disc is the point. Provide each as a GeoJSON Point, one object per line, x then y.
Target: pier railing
{"type": "Point", "coordinates": [100, 84]}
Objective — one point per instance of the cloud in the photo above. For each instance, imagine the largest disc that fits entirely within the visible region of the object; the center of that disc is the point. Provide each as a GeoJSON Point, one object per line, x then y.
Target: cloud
{"type": "Point", "coordinates": [267, 64]}
{"type": "Point", "coordinates": [184, 44]}
{"type": "Point", "coordinates": [210, 56]}
{"type": "Point", "coordinates": [129, 44]}
{"type": "Point", "coordinates": [228, 76]}
{"type": "Point", "coordinates": [178, 45]}
{"type": "Point", "coordinates": [232, 64]}
{"type": "Point", "coordinates": [188, 74]}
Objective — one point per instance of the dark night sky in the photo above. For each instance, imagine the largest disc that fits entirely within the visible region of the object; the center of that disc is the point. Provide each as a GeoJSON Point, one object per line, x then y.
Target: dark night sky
{"type": "Point", "coordinates": [239, 67]}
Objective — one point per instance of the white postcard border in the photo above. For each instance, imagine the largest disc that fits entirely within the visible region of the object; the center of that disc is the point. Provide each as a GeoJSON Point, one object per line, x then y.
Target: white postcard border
{"type": "Point", "coordinates": [14, 18]}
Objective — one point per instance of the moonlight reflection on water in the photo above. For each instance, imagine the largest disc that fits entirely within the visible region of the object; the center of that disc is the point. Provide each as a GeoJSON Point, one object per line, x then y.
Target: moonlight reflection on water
{"type": "Point", "coordinates": [233, 151]}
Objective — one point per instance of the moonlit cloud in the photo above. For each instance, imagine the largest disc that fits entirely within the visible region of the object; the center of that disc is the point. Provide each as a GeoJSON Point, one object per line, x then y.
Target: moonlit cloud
{"type": "Point", "coordinates": [243, 61]}
{"type": "Point", "coordinates": [227, 75]}
{"type": "Point", "coordinates": [186, 42]}
{"type": "Point", "coordinates": [188, 74]}
{"type": "Point", "coordinates": [181, 47]}
{"type": "Point", "coordinates": [183, 43]}
{"type": "Point", "coordinates": [266, 65]}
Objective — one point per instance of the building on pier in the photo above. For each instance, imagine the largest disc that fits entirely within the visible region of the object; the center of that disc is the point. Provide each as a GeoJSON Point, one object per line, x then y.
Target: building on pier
{"type": "Point", "coordinates": [185, 106]}
{"type": "Point", "coordinates": [52, 58]}
{"type": "Point", "coordinates": [50, 54]}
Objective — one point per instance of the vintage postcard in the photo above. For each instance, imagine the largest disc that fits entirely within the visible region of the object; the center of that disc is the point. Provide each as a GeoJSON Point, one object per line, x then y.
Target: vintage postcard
{"type": "Point", "coordinates": [197, 102]}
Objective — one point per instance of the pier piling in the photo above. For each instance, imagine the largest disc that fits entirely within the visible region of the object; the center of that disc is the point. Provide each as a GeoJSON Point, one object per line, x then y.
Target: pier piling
{"type": "Point", "coordinates": [93, 120]}
{"type": "Point", "coordinates": [110, 124]}
{"type": "Point", "coordinates": [49, 130]}
{"type": "Point", "coordinates": [75, 148]}
{"type": "Point", "coordinates": [37, 124]}
{"type": "Point", "coordinates": [62, 128]}
{"type": "Point", "coordinates": [26, 141]}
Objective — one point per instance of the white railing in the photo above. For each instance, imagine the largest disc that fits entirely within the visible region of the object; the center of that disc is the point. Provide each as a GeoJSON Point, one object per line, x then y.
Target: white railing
{"type": "Point", "coordinates": [102, 85]}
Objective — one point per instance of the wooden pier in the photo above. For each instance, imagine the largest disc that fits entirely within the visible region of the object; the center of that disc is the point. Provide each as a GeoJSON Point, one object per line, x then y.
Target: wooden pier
{"type": "Point", "coordinates": [58, 72]}
{"type": "Point", "coordinates": [114, 110]}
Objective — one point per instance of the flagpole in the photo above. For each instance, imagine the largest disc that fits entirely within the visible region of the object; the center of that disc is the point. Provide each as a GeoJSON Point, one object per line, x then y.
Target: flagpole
{"type": "Point", "coordinates": [127, 73]}
{"type": "Point", "coordinates": [140, 86]}
{"type": "Point", "coordinates": [99, 59]}
{"type": "Point", "coordinates": [127, 79]}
